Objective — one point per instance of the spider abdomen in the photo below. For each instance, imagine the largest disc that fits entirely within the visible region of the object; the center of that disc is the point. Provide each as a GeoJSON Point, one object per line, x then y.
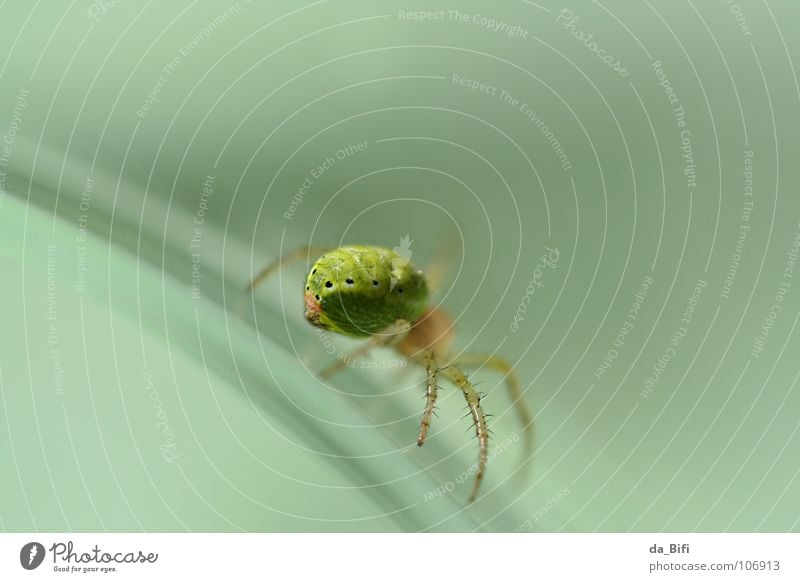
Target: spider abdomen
{"type": "Point", "coordinates": [359, 290]}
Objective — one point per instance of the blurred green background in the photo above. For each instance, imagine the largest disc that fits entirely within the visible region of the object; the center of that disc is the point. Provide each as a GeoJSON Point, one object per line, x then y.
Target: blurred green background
{"type": "Point", "coordinates": [155, 156]}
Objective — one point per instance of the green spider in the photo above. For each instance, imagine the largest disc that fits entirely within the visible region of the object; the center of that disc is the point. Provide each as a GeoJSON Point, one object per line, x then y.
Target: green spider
{"type": "Point", "coordinates": [376, 293]}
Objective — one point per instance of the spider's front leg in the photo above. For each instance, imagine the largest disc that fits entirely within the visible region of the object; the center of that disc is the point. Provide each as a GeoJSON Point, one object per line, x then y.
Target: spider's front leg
{"type": "Point", "coordinates": [503, 366]}
{"type": "Point", "coordinates": [295, 255]}
{"type": "Point", "coordinates": [459, 378]}
{"type": "Point", "coordinates": [388, 336]}
{"type": "Point", "coordinates": [290, 257]}
{"type": "Point", "coordinates": [430, 396]}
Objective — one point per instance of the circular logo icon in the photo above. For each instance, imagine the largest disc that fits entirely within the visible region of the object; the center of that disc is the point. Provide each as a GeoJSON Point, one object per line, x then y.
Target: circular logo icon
{"type": "Point", "coordinates": [31, 555]}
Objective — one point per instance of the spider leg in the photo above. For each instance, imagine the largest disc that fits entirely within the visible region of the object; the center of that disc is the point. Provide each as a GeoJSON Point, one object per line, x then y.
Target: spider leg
{"type": "Point", "coordinates": [502, 366]}
{"type": "Point", "coordinates": [459, 378]}
{"type": "Point", "coordinates": [291, 256]}
{"type": "Point", "coordinates": [388, 336]}
{"type": "Point", "coordinates": [452, 372]}
{"type": "Point", "coordinates": [430, 395]}
{"type": "Point", "coordinates": [343, 362]}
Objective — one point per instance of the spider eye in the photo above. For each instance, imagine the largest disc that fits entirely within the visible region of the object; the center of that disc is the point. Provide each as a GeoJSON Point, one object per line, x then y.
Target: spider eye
{"type": "Point", "coordinates": [349, 281]}
{"type": "Point", "coordinates": [374, 282]}
{"type": "Point", "coordinates": [328, 284]}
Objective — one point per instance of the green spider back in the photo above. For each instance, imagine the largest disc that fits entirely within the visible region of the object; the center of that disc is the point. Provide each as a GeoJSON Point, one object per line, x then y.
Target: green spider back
{"type": "Point", "coordinates": [359, 290]}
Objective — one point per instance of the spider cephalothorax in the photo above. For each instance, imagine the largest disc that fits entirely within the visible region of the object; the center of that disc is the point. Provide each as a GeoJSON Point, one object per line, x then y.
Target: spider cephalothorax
{"type": "Point", "coordinates": [376, 293]}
